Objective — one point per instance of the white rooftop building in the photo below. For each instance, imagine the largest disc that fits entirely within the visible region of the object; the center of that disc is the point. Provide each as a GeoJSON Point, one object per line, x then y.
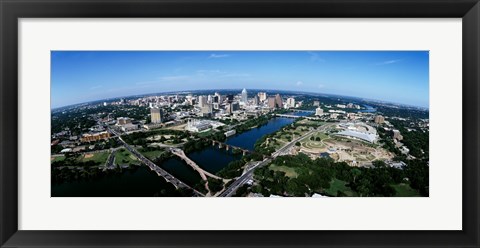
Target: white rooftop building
{"type": "Point", "coordinates": [359, 130]}
{"type": "Point", "coordinates": [195, 125]}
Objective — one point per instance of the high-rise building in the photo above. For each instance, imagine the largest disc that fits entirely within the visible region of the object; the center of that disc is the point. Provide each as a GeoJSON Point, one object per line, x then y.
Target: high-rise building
{"type": "Point", "coordinates": [256, 100]}
{"type": "Point", "coordinates": [316, 103]}
{"type": "Point", "coordinates": [235, 106]}
{"type": "Point", "coordinates": [202, 101]}
{"type": "Point", "coordinates": [244, 98]}
{"type": "Point", "coordinates": [230, 98]}
{"type": "Point", "coordinates": [291, 102]}
{"type": "Point", "coordinates": [262, 96]}
{"type": "Point", "coordinates": [271, 102]}
{"type": "Point", "coordinates": [278, 101]}
{"type": "Point", "coordinates": [156, 115]}
{"type": "Point", "coordinates": [230, 107]}
{"type": "Point", "coordinates": [379, 119]}
{"type": "Point", "coordinates": [189, 99]}
{"type": "Point", "coordinates": [318, 111]}
{"type": "Point", "coordinates": [219, 97]}
{"type": "Point", "coordinates": [209, 99]}
{"type": "Point", "coordinates": [206, 110]}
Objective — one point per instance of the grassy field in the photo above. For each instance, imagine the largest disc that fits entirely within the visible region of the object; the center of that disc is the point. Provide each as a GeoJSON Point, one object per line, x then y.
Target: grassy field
{"type": "Point", "coordinates": [152, 154]}
{"type": "Point", "coordinates": [55, 159]}
{"type": "Point", "coordinates": [339, 185]}
{"type": "Point", "coordinates": [122, 156]}
{"type": "Point", "coordinates": [310, 122]}
{"type": "Point", "coordinates": [404, 190]}
{"type": "Point", "coordinates": [100, 157]}
{"type": "Point", "coordinates": [205, 134]}
{"type": "Point", "coordinates": [313, 144]}
{"type": "Point", "coordinates": [276, 143]}
{"type": "Point", "coordinates": [289, 172]}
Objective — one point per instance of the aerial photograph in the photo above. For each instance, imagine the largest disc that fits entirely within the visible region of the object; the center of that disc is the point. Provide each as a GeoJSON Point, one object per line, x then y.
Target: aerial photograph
{"type": "Point", "coordinates": [239, 124]}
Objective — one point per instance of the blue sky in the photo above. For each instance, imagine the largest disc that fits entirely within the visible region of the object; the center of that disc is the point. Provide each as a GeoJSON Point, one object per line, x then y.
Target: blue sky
{"type": "Point", "coordinates": [82, 76]}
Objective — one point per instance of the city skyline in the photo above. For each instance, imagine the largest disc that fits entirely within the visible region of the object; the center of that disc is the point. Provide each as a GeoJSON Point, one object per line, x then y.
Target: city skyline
{"type": "Point", "coordinates": [391, 76]}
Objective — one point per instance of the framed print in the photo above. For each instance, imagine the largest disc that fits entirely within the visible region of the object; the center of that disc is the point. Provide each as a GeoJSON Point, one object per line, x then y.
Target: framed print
{"type": "Point", "coordinates": [239, 123]}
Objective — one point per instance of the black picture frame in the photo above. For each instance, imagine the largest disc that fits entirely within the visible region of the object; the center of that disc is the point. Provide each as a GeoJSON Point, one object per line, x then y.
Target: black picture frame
{"type": "Point", "coordinates": [11, 11]}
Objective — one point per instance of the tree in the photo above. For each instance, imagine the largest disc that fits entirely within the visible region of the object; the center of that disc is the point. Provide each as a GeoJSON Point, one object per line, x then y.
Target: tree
{"type": "Point", "coordinates": [356, 172]}
{"type": "Point", "coordinates": [297, 143]}
{"type": "Point", "coordinates": [215, 185]}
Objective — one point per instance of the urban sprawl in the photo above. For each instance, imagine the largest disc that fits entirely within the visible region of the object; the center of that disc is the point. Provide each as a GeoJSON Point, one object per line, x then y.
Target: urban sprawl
{"type": "Point", "coordinates": [308, 145]}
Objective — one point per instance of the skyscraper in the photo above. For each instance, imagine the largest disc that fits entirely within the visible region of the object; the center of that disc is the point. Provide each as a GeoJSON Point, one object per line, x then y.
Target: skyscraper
{"type": "Point", "coordinates": [262, 96]}
{"type": "Point", "coordinates": [156, 115]}
{"type": "Point", "coordinates": [256, 100]}
{"type": "Point", "coordinates": [219, 100]}
{"type": "Point", "coordinates": [271, 102]}
{"type": "Point", "coordinates": [202, 100]}
{"type": "Point", "coordinates": [291, 102]}
{"type": "Point", "coordinates": [319, 111]}
{"type": "Point", "coordinates": [206, 110]}
{"type": "Point", "coordinates": [278, 101]}
{"type": "Point", "coordinates": [244, 96]}
{"type": "Point", "coordinates": [235, 106]}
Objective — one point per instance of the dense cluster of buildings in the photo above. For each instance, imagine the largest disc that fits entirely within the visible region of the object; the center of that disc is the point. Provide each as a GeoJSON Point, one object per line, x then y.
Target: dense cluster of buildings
{"type": "Point", "coordinates": [217, 106]}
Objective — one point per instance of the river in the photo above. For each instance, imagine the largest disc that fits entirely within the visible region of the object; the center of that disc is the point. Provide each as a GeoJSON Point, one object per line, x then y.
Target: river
{"type": "Point", "coordinates": [142, 182]}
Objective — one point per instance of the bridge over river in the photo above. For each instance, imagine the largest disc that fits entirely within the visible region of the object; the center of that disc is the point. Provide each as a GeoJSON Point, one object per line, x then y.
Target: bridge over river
{"type": "Point", "coordinates": [161, 172]}
{"type": "Point", "coordinates": [203, 173]}
{"type": "Point", "coordinates": [296, 116]}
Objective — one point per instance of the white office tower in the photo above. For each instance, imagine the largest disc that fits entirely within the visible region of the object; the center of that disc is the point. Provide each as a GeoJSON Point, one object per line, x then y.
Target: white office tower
{"type": "Point", "coordinates": [189, 99]}
{"type": "Point", "coordinates": [291, 102]}
{"type": "Point", "coordinates": [156, 115]}
{"type": "Point", "coordinates": [202, 101]}
{"type": "Point", "coordinates": [209, 99]}
{"type": "Point", "coordinates": [244, 96]}
{"type": "Point", "coordinates": [262, 96]}
{"type": "Point", "coordinates": [319, 111]}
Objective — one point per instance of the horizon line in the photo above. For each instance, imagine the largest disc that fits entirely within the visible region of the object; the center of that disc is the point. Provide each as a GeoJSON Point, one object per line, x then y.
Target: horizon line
{"type": "Point", "coordinates": [328, 94]}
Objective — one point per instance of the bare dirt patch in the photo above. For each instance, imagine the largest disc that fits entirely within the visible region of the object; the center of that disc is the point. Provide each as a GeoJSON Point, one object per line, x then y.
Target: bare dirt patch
{"type": "Point", "coordinates": [87, 155]}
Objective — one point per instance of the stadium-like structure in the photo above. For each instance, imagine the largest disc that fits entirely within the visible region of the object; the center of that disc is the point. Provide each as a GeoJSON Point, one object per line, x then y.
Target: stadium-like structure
{"type": "Point", "coordinates": [358, 130]}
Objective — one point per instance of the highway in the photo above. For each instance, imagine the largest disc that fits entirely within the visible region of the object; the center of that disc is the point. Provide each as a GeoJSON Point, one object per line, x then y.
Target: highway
{"type": "Point", "coordinates": [249, 173]}
{"type": "Point", "coordinates": [161, 172]}
{"type": "Point", "coordinates": [110, 163]}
